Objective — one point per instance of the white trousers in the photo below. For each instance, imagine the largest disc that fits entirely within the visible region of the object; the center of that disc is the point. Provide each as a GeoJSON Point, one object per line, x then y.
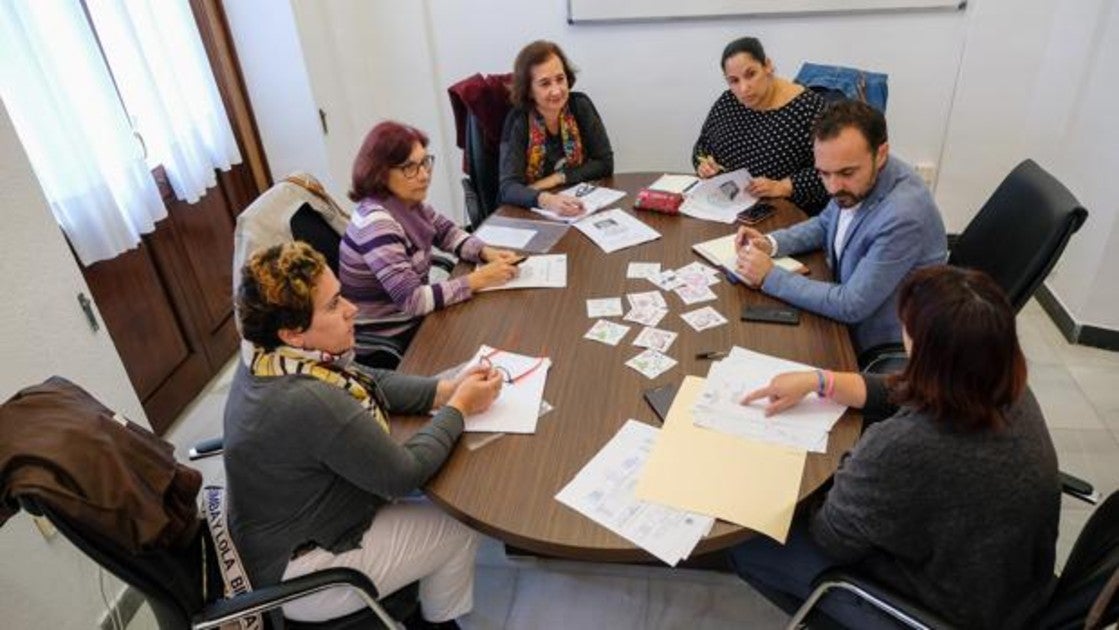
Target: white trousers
{"type": "Point", "coordinates": [407, 541]}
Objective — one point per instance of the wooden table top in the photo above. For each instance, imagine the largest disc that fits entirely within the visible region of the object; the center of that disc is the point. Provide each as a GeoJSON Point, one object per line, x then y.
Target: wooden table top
{"type": "Point", "coordinates": [506, 488]}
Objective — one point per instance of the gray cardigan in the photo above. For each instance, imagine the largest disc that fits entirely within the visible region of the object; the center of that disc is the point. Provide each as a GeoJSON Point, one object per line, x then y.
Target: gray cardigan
{"type": "Point", "coordinates": [306, 463]}
{"type": "Point", "coordinates": [965, 522]}
{"type": "Point", "coordinates": [597, 163]}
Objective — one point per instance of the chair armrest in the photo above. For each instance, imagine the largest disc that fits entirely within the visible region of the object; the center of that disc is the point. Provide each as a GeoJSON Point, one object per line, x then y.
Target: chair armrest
{"type": "Point", "coordinates": [1078, 488]}
{"type": "Point", "coordinates": [206, 448]}
{"type": "Point", "coordinates": [894, 605]}
{"type": "Point", "coordinates": [443, 262]}
{"type": "Point", "coordinates": [269, 597]}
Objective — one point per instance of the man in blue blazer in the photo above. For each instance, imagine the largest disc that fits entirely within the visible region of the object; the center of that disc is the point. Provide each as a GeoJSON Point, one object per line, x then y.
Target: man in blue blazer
{"type": "Point", "coordinates": [880, 224]}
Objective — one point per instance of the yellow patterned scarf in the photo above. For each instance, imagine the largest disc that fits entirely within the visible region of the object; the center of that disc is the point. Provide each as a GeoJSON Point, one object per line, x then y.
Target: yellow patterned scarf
{"type": "Point", "coordinates": [327, 368]}
{"type": "Point", "coordinates": [538, 138]}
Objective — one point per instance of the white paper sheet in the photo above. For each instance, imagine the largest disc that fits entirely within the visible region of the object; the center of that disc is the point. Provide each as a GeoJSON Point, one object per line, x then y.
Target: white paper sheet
{"type": "Point", "coordinates": [501, 236]}
{"type": "Point", "coordinates": [680, 184]}
{"type": "Point", "coordinates": [548, 271]}
{"type": "Point", "coordinates": [614, 229]}
{"type": "Point", "coordinates": [719, 198]}
{"type": "Point", "coordinates": [594, 198]}
{"type": "Point", "coordinates": [518, 405]}
{"type": "Point", "coordinates": [804, 426]}
{"type": "Point", "coordinates": [603, 492]}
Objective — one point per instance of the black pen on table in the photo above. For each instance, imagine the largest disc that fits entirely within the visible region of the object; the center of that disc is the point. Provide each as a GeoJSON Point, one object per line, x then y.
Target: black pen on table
{"type": "Point", "coordinates": [714, 354]}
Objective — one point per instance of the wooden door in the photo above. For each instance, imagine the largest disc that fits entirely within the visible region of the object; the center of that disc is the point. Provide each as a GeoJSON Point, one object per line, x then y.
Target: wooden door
{"type": "Point", "coordinates": [167, 304]}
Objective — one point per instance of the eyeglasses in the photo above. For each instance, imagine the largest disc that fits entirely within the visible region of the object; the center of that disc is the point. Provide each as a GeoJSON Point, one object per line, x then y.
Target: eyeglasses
{"type": "Point", "coordinates": [412, 169]}
{"type": "Point", "coordinates": [507, 376]}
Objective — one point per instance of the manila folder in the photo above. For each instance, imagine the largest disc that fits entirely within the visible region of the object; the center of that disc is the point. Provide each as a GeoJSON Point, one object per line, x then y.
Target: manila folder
{"type": "Point", "coordinates": [749, 483]}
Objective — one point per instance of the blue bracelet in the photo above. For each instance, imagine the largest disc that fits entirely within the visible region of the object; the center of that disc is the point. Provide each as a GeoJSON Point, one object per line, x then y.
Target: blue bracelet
{"type": "Point", "coordinates": [821, 384]}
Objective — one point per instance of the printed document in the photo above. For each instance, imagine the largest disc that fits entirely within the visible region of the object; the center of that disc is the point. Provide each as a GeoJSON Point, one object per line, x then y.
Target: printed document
{"type": "Point", "coordinates": [719, 198]}
{"type": "Point", "coordinates": [538, 272]}
{"type": "Point", "coordinates": [805, 425]}
{"type": "Point", "coordinates": [615, 229]}
{"type": "Point", "coordinates": [518, 405]}
{"type": "Point", "coordinates": [603, 492]}
{"type": "Point", "coordinates": [594, 198]}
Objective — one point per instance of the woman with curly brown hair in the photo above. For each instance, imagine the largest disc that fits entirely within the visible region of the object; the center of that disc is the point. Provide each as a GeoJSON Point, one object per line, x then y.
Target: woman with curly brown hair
{"type": "Point", "coordinates": [315, 480]}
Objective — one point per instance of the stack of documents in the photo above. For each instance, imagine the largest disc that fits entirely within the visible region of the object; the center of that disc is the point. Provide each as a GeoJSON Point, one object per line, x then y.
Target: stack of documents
{"type": "Point", "coordinates": [614, 229]}
{"type": "Point", "coordinates": [805, 425]}
{"type": "Point", "coordinates": [750, 483]}
{"type": "Point", "coordinates": [538, 272]}
{"type": "Point", "coordinates": [594, 198]}
{"type": "Point", "coordinates": [518, 405]}
{"type": "Point", "coordinates": [719, 198]}
{"type": "Point", "coordinates": [603, 491]}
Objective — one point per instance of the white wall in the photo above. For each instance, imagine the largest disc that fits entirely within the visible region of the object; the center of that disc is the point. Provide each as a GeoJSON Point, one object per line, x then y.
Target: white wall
{"type": "Point", "coordinates": [271, 59]}
{"type": "Point", "coordinates": [47, 584]}
{"type": "Point", "coordinates": [1044, 89]}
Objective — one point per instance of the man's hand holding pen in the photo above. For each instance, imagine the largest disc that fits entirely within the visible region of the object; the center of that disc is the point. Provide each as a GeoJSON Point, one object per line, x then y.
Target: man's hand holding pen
{"type": "Point", "coordinates": [754, 260]}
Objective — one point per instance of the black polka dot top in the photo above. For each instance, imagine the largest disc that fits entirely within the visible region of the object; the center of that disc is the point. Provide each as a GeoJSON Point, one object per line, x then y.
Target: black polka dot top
{"type": "Point", "coordinates": [774, 143]}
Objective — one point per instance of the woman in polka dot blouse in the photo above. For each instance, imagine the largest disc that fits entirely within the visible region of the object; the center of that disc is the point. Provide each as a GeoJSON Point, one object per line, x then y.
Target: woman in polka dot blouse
{"type": "Point", "coordinates": [762, 123]}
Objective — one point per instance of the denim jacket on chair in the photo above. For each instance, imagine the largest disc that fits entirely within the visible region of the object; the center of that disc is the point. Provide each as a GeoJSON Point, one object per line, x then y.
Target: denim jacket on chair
{"type": "Point", "coordinates": [850, 82]}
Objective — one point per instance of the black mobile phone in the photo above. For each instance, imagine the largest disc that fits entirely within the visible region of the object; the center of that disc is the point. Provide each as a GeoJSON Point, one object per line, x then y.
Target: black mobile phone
{"type": "Point", "coordinates": [771, 314]}
{"type": "Point", "coordinates": [756, 213]}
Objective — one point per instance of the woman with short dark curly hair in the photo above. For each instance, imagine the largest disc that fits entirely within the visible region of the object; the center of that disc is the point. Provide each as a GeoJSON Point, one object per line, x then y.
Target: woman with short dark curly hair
{"type": "Point", "coordinates": [315, 480]}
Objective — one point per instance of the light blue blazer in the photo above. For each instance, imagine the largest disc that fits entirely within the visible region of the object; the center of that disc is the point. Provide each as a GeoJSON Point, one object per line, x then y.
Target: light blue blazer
{"type": "Point", "coordinates": [896, 229]}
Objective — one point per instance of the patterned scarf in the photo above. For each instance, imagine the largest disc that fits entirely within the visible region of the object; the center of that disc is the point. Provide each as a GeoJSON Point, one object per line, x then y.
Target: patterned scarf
{"type": "Point", "coordinates": [326, 367]}
{"type": "Point", "coordinates": [538, 137]}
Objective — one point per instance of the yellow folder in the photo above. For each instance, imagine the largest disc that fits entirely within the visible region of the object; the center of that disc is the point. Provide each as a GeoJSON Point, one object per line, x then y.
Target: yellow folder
{"type": "Point", "coordinates": [753, 484]}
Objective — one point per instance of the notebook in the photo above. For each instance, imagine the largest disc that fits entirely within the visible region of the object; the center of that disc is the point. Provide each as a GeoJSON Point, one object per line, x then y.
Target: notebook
{"type": "Point", "coordinates": [720, 252]}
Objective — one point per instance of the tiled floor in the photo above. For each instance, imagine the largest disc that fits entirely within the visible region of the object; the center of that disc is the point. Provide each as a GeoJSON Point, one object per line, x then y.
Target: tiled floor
{"type": "Point", "coordinates": [1078, 388]}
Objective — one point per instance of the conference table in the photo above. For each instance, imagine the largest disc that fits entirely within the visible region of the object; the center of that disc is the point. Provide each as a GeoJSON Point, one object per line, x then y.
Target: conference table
{"type": "Point", "coordinates": [506, 488]}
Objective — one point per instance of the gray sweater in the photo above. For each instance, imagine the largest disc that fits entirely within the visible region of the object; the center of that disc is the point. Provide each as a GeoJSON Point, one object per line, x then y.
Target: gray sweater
{"type": "Point", "coordinates": [597, 163]}
{"type": "Point", "coordinates": [306, 463]}
{"type": "Point", "coordinates": [964, 522]}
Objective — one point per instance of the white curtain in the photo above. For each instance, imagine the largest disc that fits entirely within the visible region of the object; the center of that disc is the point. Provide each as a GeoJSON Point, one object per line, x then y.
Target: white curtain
{"type": "Point", "coordinates": [156, 54]}
{"type": "Point", "coordinates": [61, 99]}
{"type": "Point", "coordinates": [81, 143]}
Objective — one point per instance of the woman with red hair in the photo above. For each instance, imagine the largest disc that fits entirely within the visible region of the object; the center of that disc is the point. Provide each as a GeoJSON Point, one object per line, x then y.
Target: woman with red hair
{"type": "Point", "coordinates": [954, 500]}
{"type": "Point", "coordinates": [385, 255]}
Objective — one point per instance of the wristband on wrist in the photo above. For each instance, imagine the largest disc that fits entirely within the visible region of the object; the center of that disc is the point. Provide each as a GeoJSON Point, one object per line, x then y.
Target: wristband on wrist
{"type": "Point", "coordinates": [821, 383]}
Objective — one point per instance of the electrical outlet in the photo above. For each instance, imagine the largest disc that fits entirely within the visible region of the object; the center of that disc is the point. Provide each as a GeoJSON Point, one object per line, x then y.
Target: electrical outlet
{"type": "Point", "coordinates": [927, 172]}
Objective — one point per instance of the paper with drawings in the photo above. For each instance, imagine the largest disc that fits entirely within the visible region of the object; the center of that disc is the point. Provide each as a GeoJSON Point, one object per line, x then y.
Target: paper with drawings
{"type": "Point", "coordinates": [548, 271]}
{"type": "Point", "coordinates": [805, 425]}
{"type": "Point", "coordinates": [518, 405]}
{"type": "Point", "coordinates": [719, 198]}
{"type": "Point", "coordinates": [594, 198]}
{"type": "Point", "coordinates": [614, 229]}
{"type": "Point", "coordinates": [603, 492]}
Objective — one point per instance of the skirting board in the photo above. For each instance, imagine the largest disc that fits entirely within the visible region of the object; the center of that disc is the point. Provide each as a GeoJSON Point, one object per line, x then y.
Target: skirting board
{"type": "Point", "coordinates": [1083, 334]}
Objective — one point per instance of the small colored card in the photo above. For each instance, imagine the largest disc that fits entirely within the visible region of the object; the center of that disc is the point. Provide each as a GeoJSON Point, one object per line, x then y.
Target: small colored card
{"type": "Point", "coordinates": [666, 280]}
{"type": "Point", "coordinates": [651, 363]}
{"type": "Point", "coordinates": [693, 294]}
{"type": "Point", "coordinates": [704, 318]}
{"type": "Point", "coordinates": [643, 270]}
{"type": "Point", "coordinates": [647, 299]}
{"type": "Point", "coordinates": [655, 338]}
{"type": "Point", "coordinates": [646, 315]}
{"type": "Point", "coordinates": [606, 332]}
{"type": "Point", "coordinates": [604, 307]}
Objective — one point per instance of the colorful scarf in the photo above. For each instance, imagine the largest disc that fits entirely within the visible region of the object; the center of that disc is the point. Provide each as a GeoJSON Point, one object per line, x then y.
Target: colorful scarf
{"type": "Point", "coordinates": [538, 137]}
{"type": "Point", "coordinates": [325, 367]}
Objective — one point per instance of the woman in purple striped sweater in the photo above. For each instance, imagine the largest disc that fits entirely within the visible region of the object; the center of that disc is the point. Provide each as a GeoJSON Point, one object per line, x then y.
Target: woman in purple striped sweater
{"type": "Point", "coordinates": [385, 256]}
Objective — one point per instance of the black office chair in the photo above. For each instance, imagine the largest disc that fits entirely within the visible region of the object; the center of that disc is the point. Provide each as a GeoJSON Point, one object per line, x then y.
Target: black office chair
{"type": "Point", "coordinates": [1016, 238]}
{"type": "Point", "coordinates": [184, 588]}
{"type": "Point", "coordinates": [482, 174]}
{"type": "Point", "coordinates": [1084, 592]}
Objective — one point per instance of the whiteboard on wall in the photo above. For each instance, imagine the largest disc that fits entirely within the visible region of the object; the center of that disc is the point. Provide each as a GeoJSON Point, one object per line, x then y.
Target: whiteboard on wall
{"type": "Point", "coordinates": [595, 10]}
